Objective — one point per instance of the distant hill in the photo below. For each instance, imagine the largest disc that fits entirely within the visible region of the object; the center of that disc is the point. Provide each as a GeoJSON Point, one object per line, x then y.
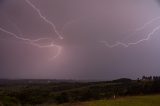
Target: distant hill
{"type": "Point", "coordinates": [123, 80]}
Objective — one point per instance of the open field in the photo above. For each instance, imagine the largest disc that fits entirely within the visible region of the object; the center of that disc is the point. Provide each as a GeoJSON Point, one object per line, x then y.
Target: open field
{"type": "Point", "coordinates": [153, 100]}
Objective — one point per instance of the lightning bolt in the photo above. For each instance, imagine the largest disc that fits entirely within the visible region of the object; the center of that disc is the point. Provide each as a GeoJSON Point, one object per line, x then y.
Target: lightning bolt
{"type": "Point", "coordinates": [148, 23]}
{"type": "Point", "coordinates": [59, 48]}
{"type": "Point", "coordinates": [45, 19]}
{"type": "Point", "coordinates": [136, 30]}
{"type": "Point", "coordinates": [34, 42]}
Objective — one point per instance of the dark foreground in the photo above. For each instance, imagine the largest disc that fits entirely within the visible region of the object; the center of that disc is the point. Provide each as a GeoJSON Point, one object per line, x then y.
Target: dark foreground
{"type": "Point", "coordinates": [33, 92]}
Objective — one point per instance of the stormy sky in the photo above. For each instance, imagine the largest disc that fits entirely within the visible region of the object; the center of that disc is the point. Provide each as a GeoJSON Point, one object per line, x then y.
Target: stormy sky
{"type": "Point", "coordinates": [84, 24]}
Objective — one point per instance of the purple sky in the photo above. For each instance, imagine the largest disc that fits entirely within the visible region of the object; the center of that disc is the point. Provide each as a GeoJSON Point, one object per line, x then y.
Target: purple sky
{"type": "Point", "coordinates": [84, 24]}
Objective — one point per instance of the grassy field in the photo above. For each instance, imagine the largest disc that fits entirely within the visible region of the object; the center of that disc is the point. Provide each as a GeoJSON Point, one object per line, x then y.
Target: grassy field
{"type": "Point", "coordinates": [153, 100]}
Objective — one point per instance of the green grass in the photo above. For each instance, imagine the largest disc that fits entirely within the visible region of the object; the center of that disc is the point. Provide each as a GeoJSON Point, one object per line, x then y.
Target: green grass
{"type": "Point", "coordinates": [153, 100]}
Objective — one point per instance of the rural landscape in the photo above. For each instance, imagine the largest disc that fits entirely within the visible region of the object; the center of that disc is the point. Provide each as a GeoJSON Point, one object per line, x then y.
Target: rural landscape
{"type": "Point", "coordinates": [79, 52]}
{"type": "Point", "coordinates": [121, 92]}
